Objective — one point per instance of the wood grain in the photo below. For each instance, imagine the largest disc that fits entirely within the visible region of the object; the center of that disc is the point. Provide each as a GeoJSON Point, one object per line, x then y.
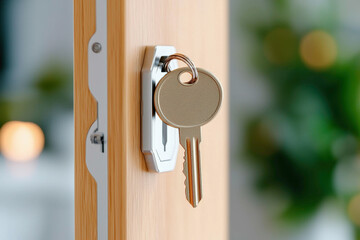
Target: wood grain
{"type": "Point", "coordinates": [145, 205]}
{"type": "Point", "coordinates": [84, 116]}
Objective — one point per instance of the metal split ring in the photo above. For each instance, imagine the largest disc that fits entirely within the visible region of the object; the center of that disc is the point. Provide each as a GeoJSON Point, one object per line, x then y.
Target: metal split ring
{"type": "Point", "coordinates": [187, 61]}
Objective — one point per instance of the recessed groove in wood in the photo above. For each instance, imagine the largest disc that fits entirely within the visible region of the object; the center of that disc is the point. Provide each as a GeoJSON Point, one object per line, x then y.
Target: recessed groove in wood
{"type": "Point", "coordinates": [84, 116]}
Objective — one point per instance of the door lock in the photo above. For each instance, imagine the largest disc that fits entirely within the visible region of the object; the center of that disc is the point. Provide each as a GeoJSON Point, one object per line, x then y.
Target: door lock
{"type": "Point", "coordinates": [160, 142]}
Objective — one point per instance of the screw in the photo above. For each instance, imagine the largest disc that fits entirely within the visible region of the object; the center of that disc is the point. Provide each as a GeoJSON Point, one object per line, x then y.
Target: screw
{"type": "Point", "coordinates": [96, 47]}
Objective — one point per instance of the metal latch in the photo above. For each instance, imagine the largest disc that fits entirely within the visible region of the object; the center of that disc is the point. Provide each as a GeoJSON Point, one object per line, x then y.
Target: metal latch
{"type": "Point", "coordinates": [96, 139]}
{"type": "Point", "coordinates": [160, 142]}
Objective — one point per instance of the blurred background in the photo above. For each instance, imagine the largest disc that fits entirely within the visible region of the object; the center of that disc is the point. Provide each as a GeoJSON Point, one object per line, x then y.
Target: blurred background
{"type": "Point", "coordinates": [295, 120]}
{"type": "Point", "coordinates": [36, 120]}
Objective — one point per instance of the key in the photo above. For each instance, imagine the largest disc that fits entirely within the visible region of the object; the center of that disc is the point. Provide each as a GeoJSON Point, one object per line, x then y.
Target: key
{"type": "Point", "coordinates": [188, 106]}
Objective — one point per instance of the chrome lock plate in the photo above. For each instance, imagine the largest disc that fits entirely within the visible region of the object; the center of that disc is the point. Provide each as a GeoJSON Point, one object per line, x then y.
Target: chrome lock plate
{"type": "Point", "coordinates": [160, 142]}
{"type": "Point", "coordinates": [96, 139]}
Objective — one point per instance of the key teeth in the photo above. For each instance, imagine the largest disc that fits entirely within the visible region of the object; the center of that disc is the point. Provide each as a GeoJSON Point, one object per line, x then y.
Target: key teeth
{"type": "Point", "coordinates": [186, 177]}
{"type": "Point", "coordinates": [184, 170]}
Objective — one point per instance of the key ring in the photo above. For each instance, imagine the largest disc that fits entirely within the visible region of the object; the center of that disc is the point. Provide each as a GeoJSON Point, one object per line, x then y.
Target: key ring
{"type": "Point", "coordinates": [187, 61]}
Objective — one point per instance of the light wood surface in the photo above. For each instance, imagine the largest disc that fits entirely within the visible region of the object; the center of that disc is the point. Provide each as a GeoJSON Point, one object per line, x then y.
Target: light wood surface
{"type": "Point", "coordinates": [145, 205]}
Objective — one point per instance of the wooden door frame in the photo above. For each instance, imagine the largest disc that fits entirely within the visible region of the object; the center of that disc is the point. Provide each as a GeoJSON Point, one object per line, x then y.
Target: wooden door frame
{"type": "Point", "coordinates": [145, 205]}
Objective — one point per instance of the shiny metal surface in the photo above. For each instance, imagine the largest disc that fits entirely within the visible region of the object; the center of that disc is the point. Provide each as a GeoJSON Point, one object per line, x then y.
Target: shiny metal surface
{"type": "Point", "coordinates": [96, 140]}
{"type": "Point", "coordinates": [159, 141]}
{"type": "Point", "coordinates": [187, 61]}
{"type": "Point", "coordinates": [188, 107]}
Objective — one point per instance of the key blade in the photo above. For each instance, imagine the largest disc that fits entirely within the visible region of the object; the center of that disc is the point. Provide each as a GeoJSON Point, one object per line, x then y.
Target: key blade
{"type": "Point", "coordinates": [190, 140]}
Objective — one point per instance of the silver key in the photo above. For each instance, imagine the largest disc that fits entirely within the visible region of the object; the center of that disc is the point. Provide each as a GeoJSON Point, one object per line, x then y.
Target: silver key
{"type": "Point", "coordinates": [188, 106]}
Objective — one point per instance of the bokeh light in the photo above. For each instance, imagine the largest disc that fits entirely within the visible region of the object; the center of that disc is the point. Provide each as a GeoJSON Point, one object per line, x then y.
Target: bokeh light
{"type": "Point", "coordinates": [318, 50]}
{"type": "Point", "coordinates": [280, 46]}
{"type": "Point", "coordinates": [21, 141]}
{"type": "Point", "coordinates": [354, 209]}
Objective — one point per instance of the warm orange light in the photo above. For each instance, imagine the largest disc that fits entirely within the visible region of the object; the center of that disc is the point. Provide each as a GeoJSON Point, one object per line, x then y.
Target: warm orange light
{"type": "Point", "coordinates": [354, 209]}
{"type": "Point", "coordinates": [21, 141]}
{"type": "Point", "coordinates": [318, 50]}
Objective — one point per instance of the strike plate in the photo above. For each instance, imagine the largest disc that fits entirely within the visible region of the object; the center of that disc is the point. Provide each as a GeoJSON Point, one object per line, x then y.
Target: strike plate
{"type": "Point", "coordinates": [160, 142]}
{"type": "Point", "coordinates": [96, 139]}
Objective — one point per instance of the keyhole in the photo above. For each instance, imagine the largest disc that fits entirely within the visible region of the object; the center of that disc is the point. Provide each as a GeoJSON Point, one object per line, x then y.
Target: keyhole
{"type": "Point", "coordinates": [164, 135]}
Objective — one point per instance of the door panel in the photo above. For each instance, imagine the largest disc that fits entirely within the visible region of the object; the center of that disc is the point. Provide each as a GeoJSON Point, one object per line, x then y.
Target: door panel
{"type": "Point", "coordinates": [142, 204]}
